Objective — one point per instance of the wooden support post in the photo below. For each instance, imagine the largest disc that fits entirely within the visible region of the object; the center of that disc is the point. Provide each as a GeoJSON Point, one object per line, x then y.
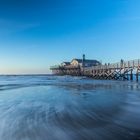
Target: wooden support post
{"type": "Point", "coordinates": [131, 75]}
{"type": "Point", "coordinates": [127, 76]}
{"type": "Point", "coordinates": [137, 76]}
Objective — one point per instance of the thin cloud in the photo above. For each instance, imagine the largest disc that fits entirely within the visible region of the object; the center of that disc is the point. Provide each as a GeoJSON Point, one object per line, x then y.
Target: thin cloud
{"type": "Point", "coordinates": [126, 19]}
{"type": "Point", "coordinates": [8, 26]}
{"type": "Point", "coordinates": [133, 18]}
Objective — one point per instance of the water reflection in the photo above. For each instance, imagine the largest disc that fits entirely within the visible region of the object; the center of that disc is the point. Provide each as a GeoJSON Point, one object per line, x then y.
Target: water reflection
{"type": "Point", "coordinates": [60, 108]}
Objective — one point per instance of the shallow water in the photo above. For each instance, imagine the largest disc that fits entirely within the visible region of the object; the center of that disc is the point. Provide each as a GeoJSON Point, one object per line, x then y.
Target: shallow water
{"type": "Point", "coordinates": [68, 108]}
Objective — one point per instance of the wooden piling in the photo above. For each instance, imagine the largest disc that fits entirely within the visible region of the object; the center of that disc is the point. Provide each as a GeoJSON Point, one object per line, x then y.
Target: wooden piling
{"type": "Point", "coordinates": [131, 75]}
{"type": "Point", "coordinates": [137, 76]}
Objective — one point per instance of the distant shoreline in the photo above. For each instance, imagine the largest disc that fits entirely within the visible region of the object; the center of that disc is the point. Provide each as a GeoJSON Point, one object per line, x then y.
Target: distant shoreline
{"type": "Point", "coordinates": [26, 74]}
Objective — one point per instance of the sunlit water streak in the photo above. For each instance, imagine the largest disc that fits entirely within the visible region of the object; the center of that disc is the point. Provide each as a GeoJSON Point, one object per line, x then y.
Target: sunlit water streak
{"type": "Point", "coordinates": [68, 108]}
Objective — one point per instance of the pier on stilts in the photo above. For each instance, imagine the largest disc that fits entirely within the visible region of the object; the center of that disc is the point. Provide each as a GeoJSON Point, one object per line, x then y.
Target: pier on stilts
{"type": "Point", "coordinates": [123, 70]}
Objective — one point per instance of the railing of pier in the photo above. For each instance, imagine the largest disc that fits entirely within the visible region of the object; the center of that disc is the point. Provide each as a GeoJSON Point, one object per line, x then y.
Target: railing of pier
{"type": "Point", "coordinates": [72, 67]}
{"type": "Point", "coordinates": [119, 65]}
{"type": "Point", "coordinates": [64, 67]}
{"type": "Point", "coordinates": [55, 67]}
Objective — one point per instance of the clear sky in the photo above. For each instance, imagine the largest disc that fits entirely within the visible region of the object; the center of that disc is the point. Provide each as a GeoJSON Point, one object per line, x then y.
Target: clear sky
{"type": "Point", "coordinates": [35, 34]}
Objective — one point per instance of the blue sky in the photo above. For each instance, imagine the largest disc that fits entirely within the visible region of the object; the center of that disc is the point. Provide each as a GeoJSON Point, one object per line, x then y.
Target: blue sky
{"type": "Point", "coordinates": [35, 34]}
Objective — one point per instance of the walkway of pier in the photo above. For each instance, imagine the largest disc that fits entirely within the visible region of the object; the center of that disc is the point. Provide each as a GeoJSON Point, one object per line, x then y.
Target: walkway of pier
{"type": "Point", "coordinates": [124, 70]}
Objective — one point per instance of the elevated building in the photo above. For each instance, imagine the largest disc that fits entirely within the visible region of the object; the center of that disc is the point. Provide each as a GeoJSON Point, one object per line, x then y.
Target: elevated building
{"type": "Point", "coordinates": [85, 63]}
{"type": "Point", "coordinates": [75, 67]}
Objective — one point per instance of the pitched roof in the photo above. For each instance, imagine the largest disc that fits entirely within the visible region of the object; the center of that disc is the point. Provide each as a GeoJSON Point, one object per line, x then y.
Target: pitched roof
{"type": "Point", "coordinates": [86, 61]}
{"type": "Point", "coordinates": [67, 63]}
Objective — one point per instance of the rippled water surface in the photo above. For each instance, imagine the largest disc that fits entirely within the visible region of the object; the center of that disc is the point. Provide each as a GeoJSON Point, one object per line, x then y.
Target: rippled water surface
{"type": "Point", "coordinates": [68, 108]}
